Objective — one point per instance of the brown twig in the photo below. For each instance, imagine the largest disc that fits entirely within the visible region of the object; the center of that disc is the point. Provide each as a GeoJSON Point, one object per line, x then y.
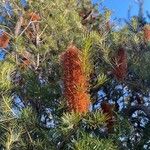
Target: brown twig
{"type": "Point", "coordinates": [18, 25]}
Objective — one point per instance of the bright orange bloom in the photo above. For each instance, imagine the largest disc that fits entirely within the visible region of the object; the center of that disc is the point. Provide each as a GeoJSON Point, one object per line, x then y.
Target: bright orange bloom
{"type": "Point", "coordinates": [34, 17]}
{"type": "Point", "coordinates": [4, 40]}
{"type": "Point", "coordinates": [147, 33]}
{"type": "Point", "coordinates": [120, 69]}
{"type": "Point", "coordinates": [75, 82]}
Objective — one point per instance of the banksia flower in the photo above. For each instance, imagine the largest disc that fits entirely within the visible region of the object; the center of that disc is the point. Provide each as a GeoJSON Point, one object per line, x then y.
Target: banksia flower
{"type": "Point", "coordinates": [108, 26]}
{"type": "Point", "coordinates": [4, 40]}
{"type": "Point", "coordinates": [75, 83]}
{"type": "Point", "coordinates": [108, 110]}
{"type": "Point", "coordinates": [34, 16]}
{"type": "Point", "coordinates": [147, 33]}
{"type": "Point", "coordinates": [120, 68]}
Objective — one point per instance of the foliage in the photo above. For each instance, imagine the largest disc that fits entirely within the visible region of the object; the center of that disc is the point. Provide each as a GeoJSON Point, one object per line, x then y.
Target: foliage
{"type": "Point", "coordinates": [40, 76]}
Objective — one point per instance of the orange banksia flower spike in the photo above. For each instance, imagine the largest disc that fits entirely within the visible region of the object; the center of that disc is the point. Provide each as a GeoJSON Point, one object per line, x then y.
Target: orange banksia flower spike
{"type": "Point", "coordinates": [34, 16]}
{"type": "Point", "coordinates": [120, 68]}
{"type": "Point", "coordinates": [4, 40]}
{"type": "Point", "coordinates": [75, 82]}
{"type": "Point", "coordinates": [33, 29]}
{"type": "Point", "coordinates": [147, 33]}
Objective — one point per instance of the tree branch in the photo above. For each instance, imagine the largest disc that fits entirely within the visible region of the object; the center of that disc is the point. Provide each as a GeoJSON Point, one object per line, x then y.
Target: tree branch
{"type": "Point", "coordinates": [143, 108]}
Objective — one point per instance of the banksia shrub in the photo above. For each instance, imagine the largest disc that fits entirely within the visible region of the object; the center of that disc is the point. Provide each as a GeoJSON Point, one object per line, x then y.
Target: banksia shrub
{"type": "Point", "coordinates": [4, 39]}
{"type": "Point", "coordinates": [75, 82]}
{"type": "Point", "coordinates": [120, 68]}
{"type": "Point", "coordinates": [147, 33]}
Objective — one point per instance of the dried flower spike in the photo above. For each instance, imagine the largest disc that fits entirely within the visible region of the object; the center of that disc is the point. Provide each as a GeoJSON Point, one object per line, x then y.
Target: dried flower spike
{"type": "Point", "coordinates": [75, 82]}
{"type": "Point", "coordinates": [108, 26]}
{"type": "Point", "coordinates": [4, 40]}
{"type": "Point", "coordinates": [120, 68]}
{"type": "Point", "coordinates": [108, 110]}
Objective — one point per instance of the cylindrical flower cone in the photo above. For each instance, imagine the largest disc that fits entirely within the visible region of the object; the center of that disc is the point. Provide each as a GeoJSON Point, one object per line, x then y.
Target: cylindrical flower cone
{"type": "Point", "coordinates": [108, 26]}
{"type": "Point", "coordinates": [120, 68]}
{"type": "Point", "coordinates": [75, 82]}
{"type": "Point", "coordinates": [108, 110]}
{"type": "Point", "coordinates": [4, 40]}
{"type": "Point", "coordinates": [147, 33]}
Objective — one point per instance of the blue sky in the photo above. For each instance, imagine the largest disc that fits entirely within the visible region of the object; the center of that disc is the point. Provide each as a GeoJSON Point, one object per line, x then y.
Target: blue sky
{"type": "Point", "coordinates": [120, 7]}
